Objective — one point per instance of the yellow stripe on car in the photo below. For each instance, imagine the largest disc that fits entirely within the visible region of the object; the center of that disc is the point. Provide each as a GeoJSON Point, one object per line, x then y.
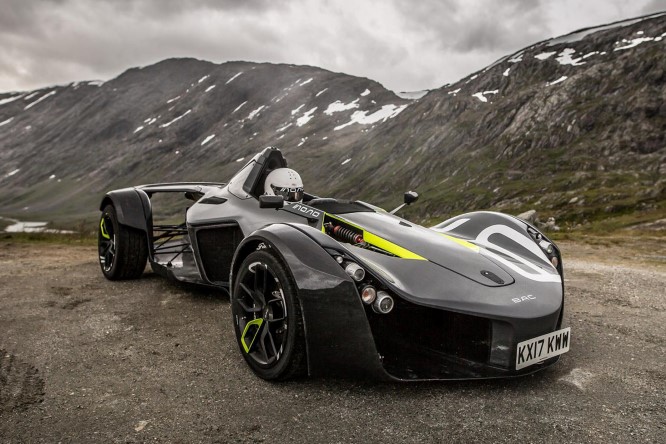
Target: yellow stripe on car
{"type": "Point", "coordinates": [379, 242]}
{"type": "Point", "coordinates": [392, 248]}
{"type": "Point", "coordinates": [462, 242]}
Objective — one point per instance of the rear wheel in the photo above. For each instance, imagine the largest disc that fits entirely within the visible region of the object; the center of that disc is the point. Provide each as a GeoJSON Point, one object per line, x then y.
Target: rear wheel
{"type": "Point", "coordinates": [267, 318]}
{"type": "Point", "coordinates": [123, 251]}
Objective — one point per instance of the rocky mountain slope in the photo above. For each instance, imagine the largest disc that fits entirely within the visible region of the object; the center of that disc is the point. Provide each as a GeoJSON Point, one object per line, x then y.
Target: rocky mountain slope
{"type": "Point", "coordinates": [574, 126]}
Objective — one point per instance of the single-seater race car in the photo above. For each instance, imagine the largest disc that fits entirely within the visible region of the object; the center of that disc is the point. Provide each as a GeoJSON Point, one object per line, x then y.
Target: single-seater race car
{"type": "Point", "coordinates": [325, 286]}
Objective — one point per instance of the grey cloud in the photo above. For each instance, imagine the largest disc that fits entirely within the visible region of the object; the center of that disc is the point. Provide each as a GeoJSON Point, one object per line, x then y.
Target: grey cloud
{"type": "Point", "coordinates": [403, 44]}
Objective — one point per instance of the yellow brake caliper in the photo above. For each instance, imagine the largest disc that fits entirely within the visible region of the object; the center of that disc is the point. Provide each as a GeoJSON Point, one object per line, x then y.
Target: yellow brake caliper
{"type": "Point", "coordinates": [103, 229]}
{"type": "Point", "coordinates": [251, 329]}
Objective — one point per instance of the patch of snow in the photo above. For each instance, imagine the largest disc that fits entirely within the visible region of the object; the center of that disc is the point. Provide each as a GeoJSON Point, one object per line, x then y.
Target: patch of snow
{"type": "Point", "coordinates": [579, 35]}
{"type": "Point", "coordinates": [209, 88]}
{"type": "Point", "coordinates": [362, 117]}
{"type": "Point", "coordinates": [482, 95]}
{"type": "Point", "coordinates": [239, 107]}
{"type": "Point", "coordinates": [555, 82]}
{"type": "Point", "coordinates": [138, 129]}
{"type": "Point", "coordinates": [203, 78]}
{"type": "Point", "coordinates": [279, 130]}
{"type": "Point", "coordinates": [31, 95]}
{"type": "Point", "coordinates": [97, 83]}
{"type": "Point", "coordinates": [516, 58]}
{"type": "Point", "coordinates": [365, 93]}
{"type": "Point", "coordinates": [324, 138]}
{"type": "Point", "coordinates": [455, 91]}
{"type": "Point", "coordinates": [321, 92]}
{"type": "Point", "coordinates": [303, 139]}
{"type": "Point", "coordinates": [45, 96]}
{"type": "Point", "coordinates": [52, 176]}
{"type": "Point", "coordinates": [545, 55]}
{"type": "Point", "coordinates": [295, 111]}
{"type": "Point", "coordinates": [306, 82]}
{"type": "Point", "coordinates": [472, 78]}
{"type": "Point", "coordinates": [338, 106]}
{"type": "Point", "coordinates": [6, 121]}
{"type": "Point", "coordinates": [177, 151]}
{"type": "Point", "coordinates": [590, 54]}
{"type": "Point", "coordinates": [240, 159]}
{"type": "Point", "coordinates": [173, 100]}
{"type": "Point", "coordinates": [254, 113]}
{"type": "Point", "coordinates": [346, 161]}
{"type": "Point", "coordinates": [305, 118]}
{"type": "Point", "coordinates": [564, 58]}
{"type": "Point", "coordinates": [10, 99]}
{"type": "Point", "coordinates": [506, 73]}
{"type": "Point", "coordinates": [633, 43]}
{"type": "Point", "coordinates": [231, 79]}
{"type": "Point", "coordinates": [32, 227]}
{"type": "Point", "coordinates": [208, 139]}
{"type": "Point", "coordinates": [278, 137]}
{"type": "Point", "coordinates": [150, 121]}
{"type": "Point", "coordinates": [412, 95]}
{"type": "Point", "coordinates": [164, 125]}
{"type": "Point", "coordinates": [11, 173]}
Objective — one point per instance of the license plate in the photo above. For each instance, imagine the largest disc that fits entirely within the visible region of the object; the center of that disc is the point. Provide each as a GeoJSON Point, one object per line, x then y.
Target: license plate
{"type": "Point", "coordinates": [542, 347]}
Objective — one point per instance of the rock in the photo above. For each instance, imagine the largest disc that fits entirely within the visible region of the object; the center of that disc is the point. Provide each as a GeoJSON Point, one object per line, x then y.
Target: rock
{"type": "Point", "coordinates": [573, 200]}
{"type": "Point", "coordinates": [550, 225]}
{"type": "Point", "coordinates": [530, 216]}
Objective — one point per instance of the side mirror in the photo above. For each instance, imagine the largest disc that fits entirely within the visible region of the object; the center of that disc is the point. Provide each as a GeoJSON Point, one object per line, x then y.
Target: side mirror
{"type": "Point", "coordinates": [267, 201]}
{"type": "Point", "coordinates": [411, 197]}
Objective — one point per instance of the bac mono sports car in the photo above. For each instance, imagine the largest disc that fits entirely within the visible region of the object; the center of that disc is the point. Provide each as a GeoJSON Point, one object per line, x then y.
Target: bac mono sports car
{"type": "Point", "coordinates": [324, 286]}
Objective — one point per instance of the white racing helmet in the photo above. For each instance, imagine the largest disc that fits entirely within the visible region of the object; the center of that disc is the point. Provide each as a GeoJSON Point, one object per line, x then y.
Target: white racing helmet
{"type": "Point", "coordinates": [284, 182]}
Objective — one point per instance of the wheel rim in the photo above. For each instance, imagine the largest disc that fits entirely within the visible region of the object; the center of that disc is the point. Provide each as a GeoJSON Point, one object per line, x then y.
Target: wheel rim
{"type": "Point", "coordinates": [261, 314]}
{"type": "Point", "coordinates": [107, 243]}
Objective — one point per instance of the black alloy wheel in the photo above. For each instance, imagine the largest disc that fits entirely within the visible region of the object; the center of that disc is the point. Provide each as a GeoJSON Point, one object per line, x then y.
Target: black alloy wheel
{"type": "Point", "coordinates": [267, 318]}
{"type": "Point", "coordinates": [123, 251]}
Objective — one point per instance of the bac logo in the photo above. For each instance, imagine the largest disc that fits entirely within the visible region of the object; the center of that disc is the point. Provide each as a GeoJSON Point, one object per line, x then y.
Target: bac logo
{"type": "Point", "coordinates": [307, 211]}
{"type": "Point", "coordinates": [523, 299]}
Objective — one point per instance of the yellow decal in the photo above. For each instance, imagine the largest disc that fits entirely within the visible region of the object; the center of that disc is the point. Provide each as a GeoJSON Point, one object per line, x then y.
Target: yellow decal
{"type": "Point", "coordinates": [379, 242]}
{"type": "Point", "coordinates": [392, 248]}
{"type": "Point", "coordinates": [462, 242]}
{"type": "Point", "coordinates": [258, 323]}
{"type": "Point", "coordinates": [103, 230]}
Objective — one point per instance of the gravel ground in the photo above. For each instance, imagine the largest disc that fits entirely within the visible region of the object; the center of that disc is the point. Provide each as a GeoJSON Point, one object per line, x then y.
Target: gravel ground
{"type": "Point", "coordinates": [83, 359]}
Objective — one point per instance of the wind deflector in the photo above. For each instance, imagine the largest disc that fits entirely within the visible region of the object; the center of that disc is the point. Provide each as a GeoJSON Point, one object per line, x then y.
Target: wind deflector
{"type": "Point", "coordinates": [271, 158]}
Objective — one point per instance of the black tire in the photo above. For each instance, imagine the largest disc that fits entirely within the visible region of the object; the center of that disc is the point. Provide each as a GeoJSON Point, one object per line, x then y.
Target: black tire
{"type": "Point", "coordinates": [264, 296]}
{"type": "Point", "coordinates": [123, 251]}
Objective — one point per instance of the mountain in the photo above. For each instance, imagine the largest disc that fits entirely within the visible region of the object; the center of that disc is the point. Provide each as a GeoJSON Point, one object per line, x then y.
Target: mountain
{"type": "Point", "coordinates": [572, 126]}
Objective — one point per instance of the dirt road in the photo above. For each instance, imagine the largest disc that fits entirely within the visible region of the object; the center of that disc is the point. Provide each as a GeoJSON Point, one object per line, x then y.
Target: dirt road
{"type": "Point", "coordinates": [83, 359]}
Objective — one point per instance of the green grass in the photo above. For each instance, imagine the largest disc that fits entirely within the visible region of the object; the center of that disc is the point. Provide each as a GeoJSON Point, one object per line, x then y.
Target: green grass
{"type": "Point", "coordinates": [48, 238]}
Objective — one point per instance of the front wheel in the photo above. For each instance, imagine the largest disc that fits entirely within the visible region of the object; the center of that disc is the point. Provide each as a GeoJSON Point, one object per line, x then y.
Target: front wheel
{"type": "Point", "coordinates": [267, 318]}
{"type": "Point", "coordinates": [123, 251]}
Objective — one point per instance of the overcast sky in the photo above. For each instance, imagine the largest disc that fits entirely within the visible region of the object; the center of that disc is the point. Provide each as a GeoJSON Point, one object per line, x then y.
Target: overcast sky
{"type": "Point", "coordinates": [406, 45]}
